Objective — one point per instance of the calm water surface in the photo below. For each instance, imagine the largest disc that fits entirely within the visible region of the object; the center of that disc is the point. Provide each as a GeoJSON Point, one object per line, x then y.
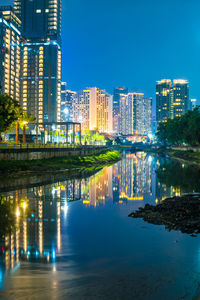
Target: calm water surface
{"type": "Point", "coordinates": [74, 240]}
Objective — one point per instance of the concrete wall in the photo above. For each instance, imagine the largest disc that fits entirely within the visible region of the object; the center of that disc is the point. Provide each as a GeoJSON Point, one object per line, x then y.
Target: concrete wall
{"type": "Point", "coordinates": [33, 154]}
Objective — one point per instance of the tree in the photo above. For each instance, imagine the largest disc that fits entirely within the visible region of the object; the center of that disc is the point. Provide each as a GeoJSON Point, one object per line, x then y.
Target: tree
{"type": "Point", "coordinates": [184, 129]}
{"type": "Point", "coordinates": [9, 112]}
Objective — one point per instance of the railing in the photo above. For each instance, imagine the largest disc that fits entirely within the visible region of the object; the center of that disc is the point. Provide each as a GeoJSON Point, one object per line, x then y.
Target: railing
{"type": "Point", "coordinates": [44, 146]}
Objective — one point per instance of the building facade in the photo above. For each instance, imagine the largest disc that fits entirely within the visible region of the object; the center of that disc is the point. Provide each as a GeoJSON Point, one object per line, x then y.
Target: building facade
{"type": "Point", "coordinates": [41, 58]}
{"type": "Point", "coordinates": [135, 114]}
{"type": "Point", "coordinates": [10, 45]}
{"type": "Point", "coordinates": [116, 106]}
{"type": "Point", "coordinates": [180, 97]}
{"type": "Point", "coordinates": [163, 100]}
{"type": "Point", "coordinates": [93, 108]}
{"type": "Point", "coordinates": [171, 101]}
{"type": "Point", "coordinates": [41, 19]}
{"type": "Point", "coordinates": [66, 103]}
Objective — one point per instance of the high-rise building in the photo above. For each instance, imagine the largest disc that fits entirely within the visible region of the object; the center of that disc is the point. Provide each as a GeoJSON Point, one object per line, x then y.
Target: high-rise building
{"type": "Point", "coordinates": [116, 106]}
{"type": "Point", "coordinates": [171, 101]}
{"type": "Point", "coordinates": [126, 115]}
{"type": "Point", "coordinates": [144, 116]}
{"type": "Point", "coordinates": [135, 114]}
{"type": "Point", "coordinates": [41, 58]}
{"type": "Point", "coordinates": [66, 103]}
{"type": "Point", "coordinates": [193, 104]}
{"type": "Point", "coordinates": [93, 108]}
{"type": "Point", "coordinates": [163, 100]}
{"type": "Point", "coordinates": [10, 43]}
{"type": "Point", "coordinates": [180, 97]}
{"type": "Point", "coordinates": [104, 112]}
{"type": "Point", "coordinates": [41, 19]}
{"type": "Point", "coordinates": [81, 108]}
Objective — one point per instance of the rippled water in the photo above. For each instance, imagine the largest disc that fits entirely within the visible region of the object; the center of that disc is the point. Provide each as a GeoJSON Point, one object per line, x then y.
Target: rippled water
{"type": "Point", "coordinates": [74, 240]}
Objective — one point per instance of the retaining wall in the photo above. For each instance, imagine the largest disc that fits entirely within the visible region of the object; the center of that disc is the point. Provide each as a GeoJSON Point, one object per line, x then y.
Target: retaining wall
{"type": "Point", "coordinates": [44, 153]}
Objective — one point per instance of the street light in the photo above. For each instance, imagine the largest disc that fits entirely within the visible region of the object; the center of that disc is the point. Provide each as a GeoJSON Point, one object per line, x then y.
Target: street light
{"type": "Point", "coordinates": [24, 132]}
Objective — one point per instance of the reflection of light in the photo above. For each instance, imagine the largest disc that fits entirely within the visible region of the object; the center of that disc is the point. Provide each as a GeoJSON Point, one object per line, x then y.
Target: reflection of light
{"type": "Point", "coordinates": [65, 209]}
{"type": "Point", "coordinates": [54, 269]}
{"type": "Point", "coordinates": [66, 111]}
{"type": "Point", "coordinates": [150, 136]}
{"type": "Point", "coordinates": [24, 205]}
{"type": "Point", "coordinates": [150, 159]}
{"type": "Point", "coordinates": [54, 254]}
{"type": "Point", "coordinates": [25, 235]}
{"type": "Point", "coordinates": [17, 212]}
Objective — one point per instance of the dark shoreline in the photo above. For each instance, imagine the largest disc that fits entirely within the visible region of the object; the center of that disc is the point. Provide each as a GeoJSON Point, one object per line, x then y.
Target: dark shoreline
{"type": "Point", "coordinates": [189, 157]}
{"type": "Point", "coordinates": [177, 213]}
{"type": "Point", "coordinates": [23, 174]}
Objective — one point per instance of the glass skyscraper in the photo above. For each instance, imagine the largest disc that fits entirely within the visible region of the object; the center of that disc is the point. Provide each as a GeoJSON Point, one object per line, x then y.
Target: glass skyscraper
{"type": "Point", "coordinates": [10, 47]}
{"type": "Point", "coordinates": [41, 58]}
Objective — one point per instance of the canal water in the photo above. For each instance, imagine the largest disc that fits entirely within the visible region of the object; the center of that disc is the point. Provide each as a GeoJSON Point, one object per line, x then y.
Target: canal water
{"type": "Point", "coordinates": [74, 240]}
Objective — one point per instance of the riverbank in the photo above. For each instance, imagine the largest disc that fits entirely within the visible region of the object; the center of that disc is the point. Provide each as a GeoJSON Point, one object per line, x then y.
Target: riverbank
{"type": "Point", "coordinates": [177, 213]}
{"type": "Point", "coordinates": [58, 164]}
{"type": "Point", "coordinates": [189, 157]}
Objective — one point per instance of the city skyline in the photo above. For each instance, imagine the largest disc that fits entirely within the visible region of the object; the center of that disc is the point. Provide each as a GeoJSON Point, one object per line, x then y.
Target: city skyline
{"type": "Point", "coordinates": [137, 63]}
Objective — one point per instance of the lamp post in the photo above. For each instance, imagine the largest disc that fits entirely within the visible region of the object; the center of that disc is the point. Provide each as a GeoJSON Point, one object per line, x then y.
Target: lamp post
{"type": "Point", "coordinates": [24, 132]}
{"type": "Point", "coordinates": [17, 132]}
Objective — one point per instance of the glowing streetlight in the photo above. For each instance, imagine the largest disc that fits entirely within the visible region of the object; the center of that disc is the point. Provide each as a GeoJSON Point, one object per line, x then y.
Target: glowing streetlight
{"type": "Point", "coordinates": [24, 132]}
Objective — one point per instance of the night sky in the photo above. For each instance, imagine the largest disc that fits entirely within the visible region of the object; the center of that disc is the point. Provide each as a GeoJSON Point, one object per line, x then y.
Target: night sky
{"type": "Point", "coordinates": [108, 43]}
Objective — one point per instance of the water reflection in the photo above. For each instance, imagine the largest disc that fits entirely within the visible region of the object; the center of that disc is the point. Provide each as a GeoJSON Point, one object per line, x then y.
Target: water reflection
{"type": "Point", "coordinates": [37, 236]}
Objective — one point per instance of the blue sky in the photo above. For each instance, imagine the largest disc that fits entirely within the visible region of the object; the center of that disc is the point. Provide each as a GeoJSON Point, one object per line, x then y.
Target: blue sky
{"type": "Point", "coordinates": [134, 43]}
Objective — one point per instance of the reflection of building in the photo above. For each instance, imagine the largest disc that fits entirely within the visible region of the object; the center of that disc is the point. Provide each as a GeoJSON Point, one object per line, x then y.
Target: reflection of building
{"type": "Point", "coordinates": [10, 43]}
{"type": "Point", "coordinates": [133, 177]}
{"type": "Point", "coordinates": [97, 188]}
{"type": "Point", "coordinates": [93, 108]}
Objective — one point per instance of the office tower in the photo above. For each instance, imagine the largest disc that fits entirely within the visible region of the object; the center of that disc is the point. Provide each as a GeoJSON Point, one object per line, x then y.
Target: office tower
{"type": "Point", "coordinates": [104, 112]}
{"type": "Point", "coordinates": [143, 116]}
{"type": "Point", "coordinates": [116, 106]}
{"type": "Point", "coordinates": [41, 19]}
{"type": "Point", "coordinates": [66, 103]}
{"type": "Point", "coordinates": [93, 108]}
{"type": "Point", "coordinates": [41, 58]}
{"type": "Point", "coordinates": [81, 108]}
{"type": "Point", "coordinates": [126, 112]}
{"type": "Point", "coordinates": [10, 42]}
{"type": "Point", "coordinates": [180, 97]}
{"type": "Point", "coordinates": [135, 114]}
{"type": "Point", "coordinates": [193, 104]}
{"type": "Point", "coordinates": [163, 100]}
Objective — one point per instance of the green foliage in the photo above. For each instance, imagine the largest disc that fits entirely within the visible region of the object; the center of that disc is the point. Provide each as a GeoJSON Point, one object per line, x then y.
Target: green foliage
{"type": "Point", "coordinates": [7, 218]}
{"type": "Point", "coordinates": [9, 112]}
{"type": "Point", "coordinates": [185, 129]}
{"type": "Point", "coordinates": [60, 163]}
{"type": "Point", "coordinates": [93, 137]}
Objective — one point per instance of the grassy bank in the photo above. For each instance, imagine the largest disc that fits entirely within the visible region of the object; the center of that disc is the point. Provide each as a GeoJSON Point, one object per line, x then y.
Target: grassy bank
{"type": "Point", "coordinates": [59, 163]}
{"type": "Point", "coordinates": [189, 157]}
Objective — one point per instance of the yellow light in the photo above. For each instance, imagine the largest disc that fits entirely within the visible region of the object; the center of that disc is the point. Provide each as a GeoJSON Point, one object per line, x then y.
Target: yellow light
{"type": "Point", "coordinates": [17, 213]}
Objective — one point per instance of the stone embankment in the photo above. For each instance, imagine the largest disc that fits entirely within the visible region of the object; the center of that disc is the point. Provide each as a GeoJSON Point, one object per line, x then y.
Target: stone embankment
{"type": "Point", "coordinates": [177, 213]}
{"type": "Point", "coordinates": [46, 153]}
